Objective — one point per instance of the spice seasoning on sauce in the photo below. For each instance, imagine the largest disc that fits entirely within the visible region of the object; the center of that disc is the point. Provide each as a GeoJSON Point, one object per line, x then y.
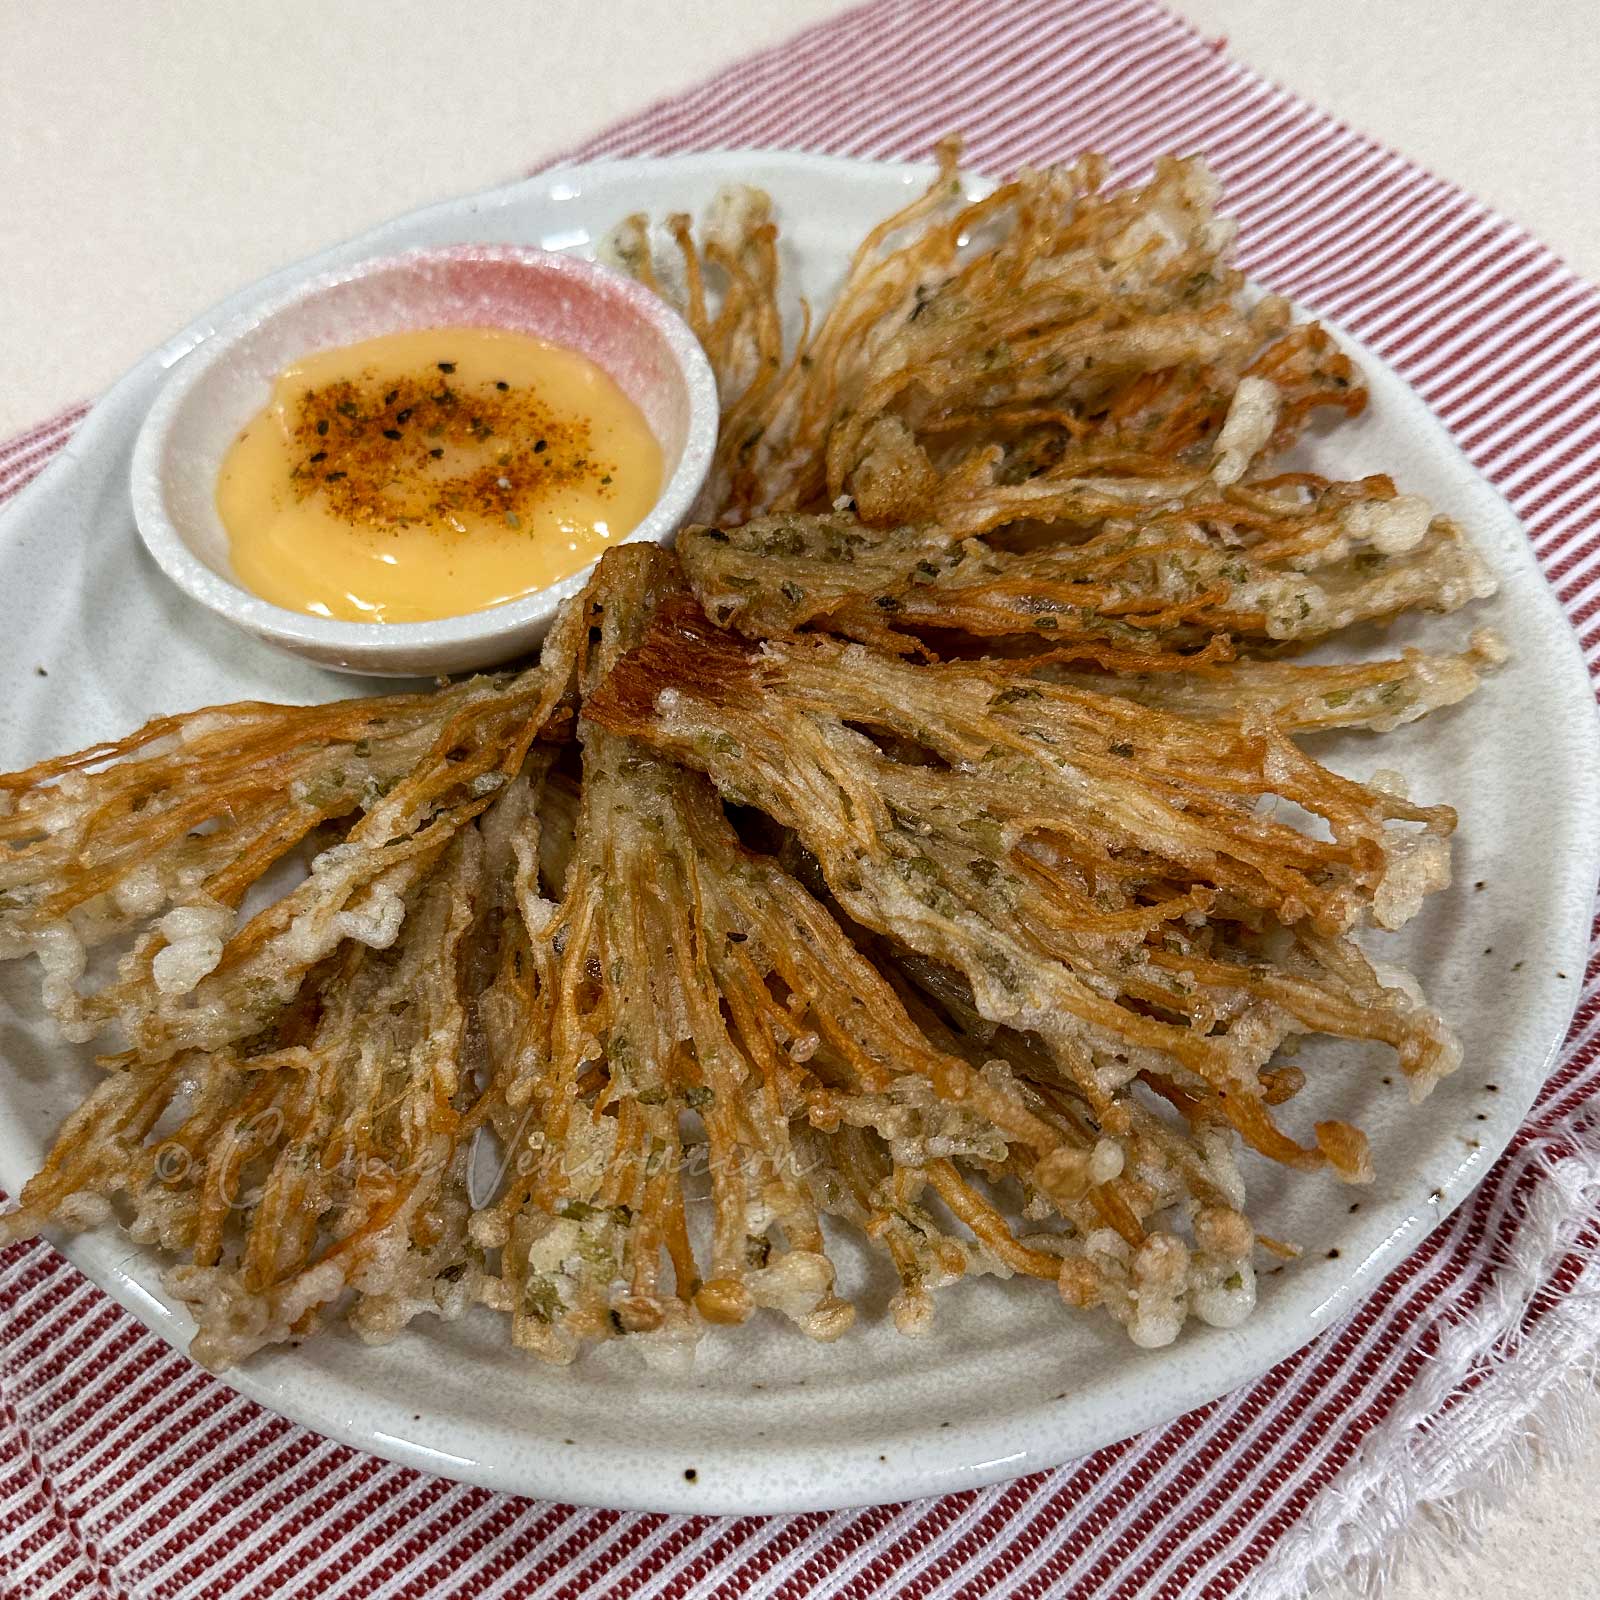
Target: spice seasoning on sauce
{"type": "Point", "coordinates": [431, 473]}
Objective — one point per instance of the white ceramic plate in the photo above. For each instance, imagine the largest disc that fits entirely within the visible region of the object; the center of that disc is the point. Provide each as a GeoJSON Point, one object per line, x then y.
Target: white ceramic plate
{"type": "Point", "coordinates": [1008, 1381]}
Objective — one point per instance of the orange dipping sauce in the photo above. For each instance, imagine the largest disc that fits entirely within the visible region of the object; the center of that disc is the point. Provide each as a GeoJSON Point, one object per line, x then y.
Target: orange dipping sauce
{"type": "Point", "coordinates": [426, 474]}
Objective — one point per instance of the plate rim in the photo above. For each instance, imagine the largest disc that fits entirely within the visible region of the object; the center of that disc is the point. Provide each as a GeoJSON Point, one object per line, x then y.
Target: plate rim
{"type": "Point", "coordinates": [927, 1461]}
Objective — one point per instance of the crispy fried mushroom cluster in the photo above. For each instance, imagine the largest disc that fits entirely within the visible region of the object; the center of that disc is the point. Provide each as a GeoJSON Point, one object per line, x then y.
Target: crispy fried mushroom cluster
{"type": "Point", "coordinates": [925, 850]}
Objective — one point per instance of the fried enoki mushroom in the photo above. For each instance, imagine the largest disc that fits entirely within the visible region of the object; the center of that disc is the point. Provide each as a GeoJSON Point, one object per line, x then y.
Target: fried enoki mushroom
{"type": "Point", "coordinates": [1185, 583]}
{"type": "Point", "coordinates": [1049, 325]}
{"type": "Point", "coordinates": [162, 834]}
{"type": "Point", "coordinates": [1304, 698]}
{"type": "Point", "coordinates": [290, 1110]}
{"type": "Point", "coordinates": [1101, 874]}
{"type": "Point", "coordinates": [687, 993]}
{"type": "Point", "coordinates": [323, 1156]}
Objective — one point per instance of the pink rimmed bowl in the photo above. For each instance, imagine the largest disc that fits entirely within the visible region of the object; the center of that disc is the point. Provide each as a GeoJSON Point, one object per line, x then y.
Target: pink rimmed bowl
{"type": "Point", "coordinates": [623, 328]}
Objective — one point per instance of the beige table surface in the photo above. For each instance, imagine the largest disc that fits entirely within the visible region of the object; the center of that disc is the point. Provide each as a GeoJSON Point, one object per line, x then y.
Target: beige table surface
{"type": "Point", "coordinates": [156, 156]}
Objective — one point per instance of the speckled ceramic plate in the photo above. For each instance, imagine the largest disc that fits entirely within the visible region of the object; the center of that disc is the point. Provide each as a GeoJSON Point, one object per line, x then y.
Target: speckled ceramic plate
{"type": "Point", "coordinates": [1007, 1381]}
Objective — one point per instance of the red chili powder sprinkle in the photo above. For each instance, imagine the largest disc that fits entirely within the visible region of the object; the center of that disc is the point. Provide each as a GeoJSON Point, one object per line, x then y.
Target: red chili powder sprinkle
{"type": "Point", "coordinates": [390, 452]}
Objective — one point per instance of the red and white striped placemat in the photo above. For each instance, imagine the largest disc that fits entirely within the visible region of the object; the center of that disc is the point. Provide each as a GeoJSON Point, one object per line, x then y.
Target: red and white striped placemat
{"type": "Point", "coordinates": [126, 1471]}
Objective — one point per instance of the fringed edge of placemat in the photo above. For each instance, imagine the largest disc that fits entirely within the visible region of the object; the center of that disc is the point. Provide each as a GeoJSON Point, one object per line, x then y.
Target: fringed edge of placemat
{"type": "Point", "coordinates": [1510, 1392]}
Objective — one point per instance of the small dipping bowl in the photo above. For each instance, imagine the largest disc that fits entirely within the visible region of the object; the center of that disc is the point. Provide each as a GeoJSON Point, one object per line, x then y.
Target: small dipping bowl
{"type": "Point", "coordinates": [619, 325]}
